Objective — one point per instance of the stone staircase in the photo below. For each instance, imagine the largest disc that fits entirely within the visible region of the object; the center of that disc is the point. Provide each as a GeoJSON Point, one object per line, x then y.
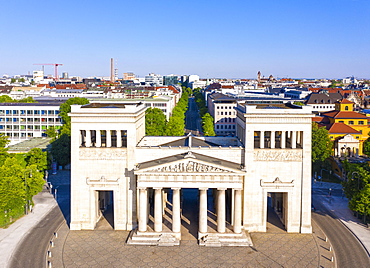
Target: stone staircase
{"type": "Point", "coordinates": [152, 239]}
{"type": "Point", "coordinates": [225, 240]}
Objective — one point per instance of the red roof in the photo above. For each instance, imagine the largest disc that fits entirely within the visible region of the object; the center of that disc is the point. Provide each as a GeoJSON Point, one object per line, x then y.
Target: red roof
{"type": "Point", "coordinates": [345, 115]}
{"type": "Point", "coordinates": [340, 128]}
{"type": "Point", "coordinates": [345, 101]}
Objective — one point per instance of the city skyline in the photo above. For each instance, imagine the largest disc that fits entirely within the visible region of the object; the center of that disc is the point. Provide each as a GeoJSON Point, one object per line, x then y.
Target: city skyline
{"type": "Point", "coordinates": [234, 39]}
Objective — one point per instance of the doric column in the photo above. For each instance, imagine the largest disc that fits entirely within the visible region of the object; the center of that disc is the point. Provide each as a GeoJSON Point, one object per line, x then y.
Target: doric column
{"type": "Point", "coordinates": [119, 139]}
{"type": "Point", "coordinates": [176, 213]}
{"type": "Point", "coordinates": [262, 139]}
{"type": "Point", "coordinates": [143, 196]}
{"type": "Point", "coordinates": [88, 138]}
{"type": "Point", "coordinates": [98, 138]}
{"type": "Point", "coordinates": [294, 139]}
{"type": "Point", "coordinates": [283, 140]}
{"type": "Point", "coordinates": [238, 211]}
{"type": "Point", "coordinates": [203, 210]}
{"type": "Point", "coordinates": [109, 138]}
{"type": "Point", "coordinates": [158, 209]}
{"type": "Point", "coordinates": [221, 211]}
{"type": "Point", "coordinates": [272, 140]}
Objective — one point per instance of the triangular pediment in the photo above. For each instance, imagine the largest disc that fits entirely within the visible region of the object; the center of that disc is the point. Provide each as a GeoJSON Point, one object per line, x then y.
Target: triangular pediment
{"type": "Point", "coordinates": [188, 163]}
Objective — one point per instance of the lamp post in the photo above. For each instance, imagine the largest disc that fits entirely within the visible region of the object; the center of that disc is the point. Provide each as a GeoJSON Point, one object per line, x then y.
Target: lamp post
{"type": "Point", "coordinates": [358, 179]}
{"type": "Point", "coordinates": [29, 171]}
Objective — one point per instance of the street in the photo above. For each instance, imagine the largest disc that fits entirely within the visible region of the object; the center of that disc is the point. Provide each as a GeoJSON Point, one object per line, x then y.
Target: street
{"type": "Point", "coordinates": [192, 118]}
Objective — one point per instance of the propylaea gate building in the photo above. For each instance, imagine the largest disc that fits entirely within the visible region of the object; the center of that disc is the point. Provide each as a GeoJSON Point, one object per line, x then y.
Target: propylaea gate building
{"type": "Point", "coordinates": [142, 178]}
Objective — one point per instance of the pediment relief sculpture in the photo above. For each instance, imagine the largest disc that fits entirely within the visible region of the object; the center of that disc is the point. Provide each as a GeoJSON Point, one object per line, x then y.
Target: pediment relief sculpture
{"type": "Point", "coordinates": [189, 167]}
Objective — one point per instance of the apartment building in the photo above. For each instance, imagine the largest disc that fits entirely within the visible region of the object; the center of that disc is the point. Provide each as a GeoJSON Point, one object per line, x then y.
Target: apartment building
{"type": "Point", "coordinates": [222, 108]}
{"type": "Point", "coordinates": [22, 121]}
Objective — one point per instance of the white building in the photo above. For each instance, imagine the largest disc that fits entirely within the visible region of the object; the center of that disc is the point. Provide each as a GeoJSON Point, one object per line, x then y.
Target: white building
{"type": "Point", "coordinates": [22, 121]}
{"type": "Point", "coordinates": [115, 166]}
{"type": "Point", "coordinates": [154, 80]}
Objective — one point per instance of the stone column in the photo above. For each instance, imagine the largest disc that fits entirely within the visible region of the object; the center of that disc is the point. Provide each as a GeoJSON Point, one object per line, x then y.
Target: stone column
{"type": "Point", "coordinates": [176, 213]}
{"type": "Point", "coordinates": [203, 210]}
{"type": "Point", "coordinates": [294, 139]}
{"type": "Point", "coordinates": [158, 209]}
{"type": "Point", "coordinates": [283, 139]}
{"type": "Point", "coordinates": [272, 140]}
{"type": "Point", "coordinates": [221, 211]}
{"type": "Point", "coordinates": [143, 196]}
{"type": "Point", "coordinates": [119, 139]}
{"type": "Point", "coordinates": [262, 139]}
{"type": "Point", "coordinates": [109, 138]}
{"type": "Point", "coordinates": [98, 138]}
{"type": "Point", "coordinates": [238, 211]}
{"type": "Point", "coordinates": [88, 138]}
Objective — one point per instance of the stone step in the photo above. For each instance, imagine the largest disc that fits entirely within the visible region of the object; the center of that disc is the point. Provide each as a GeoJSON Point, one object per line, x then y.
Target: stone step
{"type": "Point", "coordinates": [226, 240]}
{"type": "Point", "coordinates": [152, 239]}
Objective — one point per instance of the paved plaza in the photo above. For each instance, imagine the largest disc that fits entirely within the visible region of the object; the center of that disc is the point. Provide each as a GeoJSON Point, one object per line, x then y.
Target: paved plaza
{"type": "Point", "coordinates": [108, 248]}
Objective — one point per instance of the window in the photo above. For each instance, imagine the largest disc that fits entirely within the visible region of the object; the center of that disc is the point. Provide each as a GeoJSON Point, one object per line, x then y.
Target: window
{"type": "Point", "coordinates": [357, 137]}
{"type": "Point", "coordinates": [350, 122]}
{"type": "Point", "coordinates": [331, 137]}
{"type": "Point", "coordinates": [341, 121]}
{"type": "Point", "coordinates": [346, 108]}
{"type": "Point", "coordinates": [360, 122]}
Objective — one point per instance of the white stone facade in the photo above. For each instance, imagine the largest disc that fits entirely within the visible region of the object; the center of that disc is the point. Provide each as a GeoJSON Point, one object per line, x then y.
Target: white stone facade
{"type": "Point", "coordinates": [270, 158]}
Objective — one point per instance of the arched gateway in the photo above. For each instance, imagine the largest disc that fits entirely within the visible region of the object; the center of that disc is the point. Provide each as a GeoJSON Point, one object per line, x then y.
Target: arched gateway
{"type": "Point", "coordinates": [114, 164]}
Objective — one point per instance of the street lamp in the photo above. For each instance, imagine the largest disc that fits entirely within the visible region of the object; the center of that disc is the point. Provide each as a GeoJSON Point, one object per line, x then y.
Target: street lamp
{"type": "Point", "coordinates": [29, 171]}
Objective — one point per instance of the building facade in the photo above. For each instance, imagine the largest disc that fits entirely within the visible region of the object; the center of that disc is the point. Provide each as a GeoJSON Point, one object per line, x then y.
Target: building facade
{"type": "Point", "coordinates": [115, 165]}
{"type": "Point", "coordinates": [22, 121]}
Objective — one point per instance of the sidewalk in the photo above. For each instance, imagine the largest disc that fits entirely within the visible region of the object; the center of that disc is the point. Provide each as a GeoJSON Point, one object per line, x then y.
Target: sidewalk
{"type": "Point", "coordinates": [13, 235]}
{"type": "Point", "coordinates": [339, 207]}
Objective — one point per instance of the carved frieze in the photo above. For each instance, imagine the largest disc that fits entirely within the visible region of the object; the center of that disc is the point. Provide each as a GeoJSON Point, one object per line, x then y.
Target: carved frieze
{"type": "Point", "coordinates": [101, 154]}
{"type": "Point", "coordinates": [279, 155]}
{"type": "Point", "coordinates": [189, 167]}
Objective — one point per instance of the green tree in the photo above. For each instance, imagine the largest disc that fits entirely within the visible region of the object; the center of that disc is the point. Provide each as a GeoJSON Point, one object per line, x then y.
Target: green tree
{"type": "Point", "coordinates": [155, 122]}
{"type": "Point", "coordinates": [4, 140]}
{"type": "Point", "coordinates": [366, 148]}
{"type": "Point", "coordinates": [322, 146]}
{"type": "Point", "coordinates": [175, 126]}
{"type": "Point", "coordinates": [52, 132]}
{"type": "Point", "coordinates": [5, 98]}
{"type": "Point", "coordinates": [27, 100]}
{"type": "Point", "coordinates": [61, 149]}
{"type": "Point", "coordinates": [13, 80]}
{"type": "Point", "coordinates": [38, 158]}
{"type": "Point", "coordinates": [208, 126]}
{"type": "Point", "coordinates": [361, 201]}
{"type": "Point", "coordinates": [65, 108]}
{"type": "Point", "coordinates": [22, 80]}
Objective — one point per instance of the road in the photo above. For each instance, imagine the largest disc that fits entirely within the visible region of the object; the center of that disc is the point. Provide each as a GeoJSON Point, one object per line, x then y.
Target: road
{"type": "Point", "coordinates": [192, 118]}
{"type": "Point", "coordinates": [32, 251]}
{"type": "Point", "coordinates": [348, 251]}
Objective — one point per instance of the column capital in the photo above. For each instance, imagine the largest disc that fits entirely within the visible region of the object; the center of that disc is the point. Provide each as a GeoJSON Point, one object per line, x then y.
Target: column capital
{"type": "Point", "coordinates": [203, 189]}
{"type": "Point", "coordinates": [142, 188]}
{"type": "Point", "coordinates": [176, 188]}
{"type": "Point", "coordinates": [222, 189]}
{"type": "Point", "coordinates": [157, 188]}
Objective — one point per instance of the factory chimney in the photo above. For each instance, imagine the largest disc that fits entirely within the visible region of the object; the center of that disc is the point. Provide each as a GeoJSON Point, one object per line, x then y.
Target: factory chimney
{"type": "Point", "coordinates": [112, 70]}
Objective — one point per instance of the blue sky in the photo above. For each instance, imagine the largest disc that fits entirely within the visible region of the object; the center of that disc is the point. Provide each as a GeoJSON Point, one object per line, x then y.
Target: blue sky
{"type": "Point", "coordinates": [232, 39]}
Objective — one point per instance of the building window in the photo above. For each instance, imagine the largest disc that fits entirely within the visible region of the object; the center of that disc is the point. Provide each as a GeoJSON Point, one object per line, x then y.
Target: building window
{"type": "Point", "coordinates": [350, 122]}
{"type": "Point", "coordinates": [346, 108]}
{"type": "Point", "coordinates": [357, 137]}
{"type": "Point", "coordinates": [331, 137]}
{"type": "Point", "coordinates": [360, 122]}
{"type": "Point", "coordinates": [341, 121]}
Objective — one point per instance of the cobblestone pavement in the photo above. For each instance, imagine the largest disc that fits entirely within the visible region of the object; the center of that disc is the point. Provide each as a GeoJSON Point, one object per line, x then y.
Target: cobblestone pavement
{"type": "Point", "coordinates": [104, 247]}
{"type": "Point", "coordinates": [108, 249]}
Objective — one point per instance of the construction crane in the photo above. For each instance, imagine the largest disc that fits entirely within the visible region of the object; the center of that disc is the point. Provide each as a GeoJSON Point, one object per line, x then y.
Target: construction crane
{"type": "Point", "coordinates": [55, 68]}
